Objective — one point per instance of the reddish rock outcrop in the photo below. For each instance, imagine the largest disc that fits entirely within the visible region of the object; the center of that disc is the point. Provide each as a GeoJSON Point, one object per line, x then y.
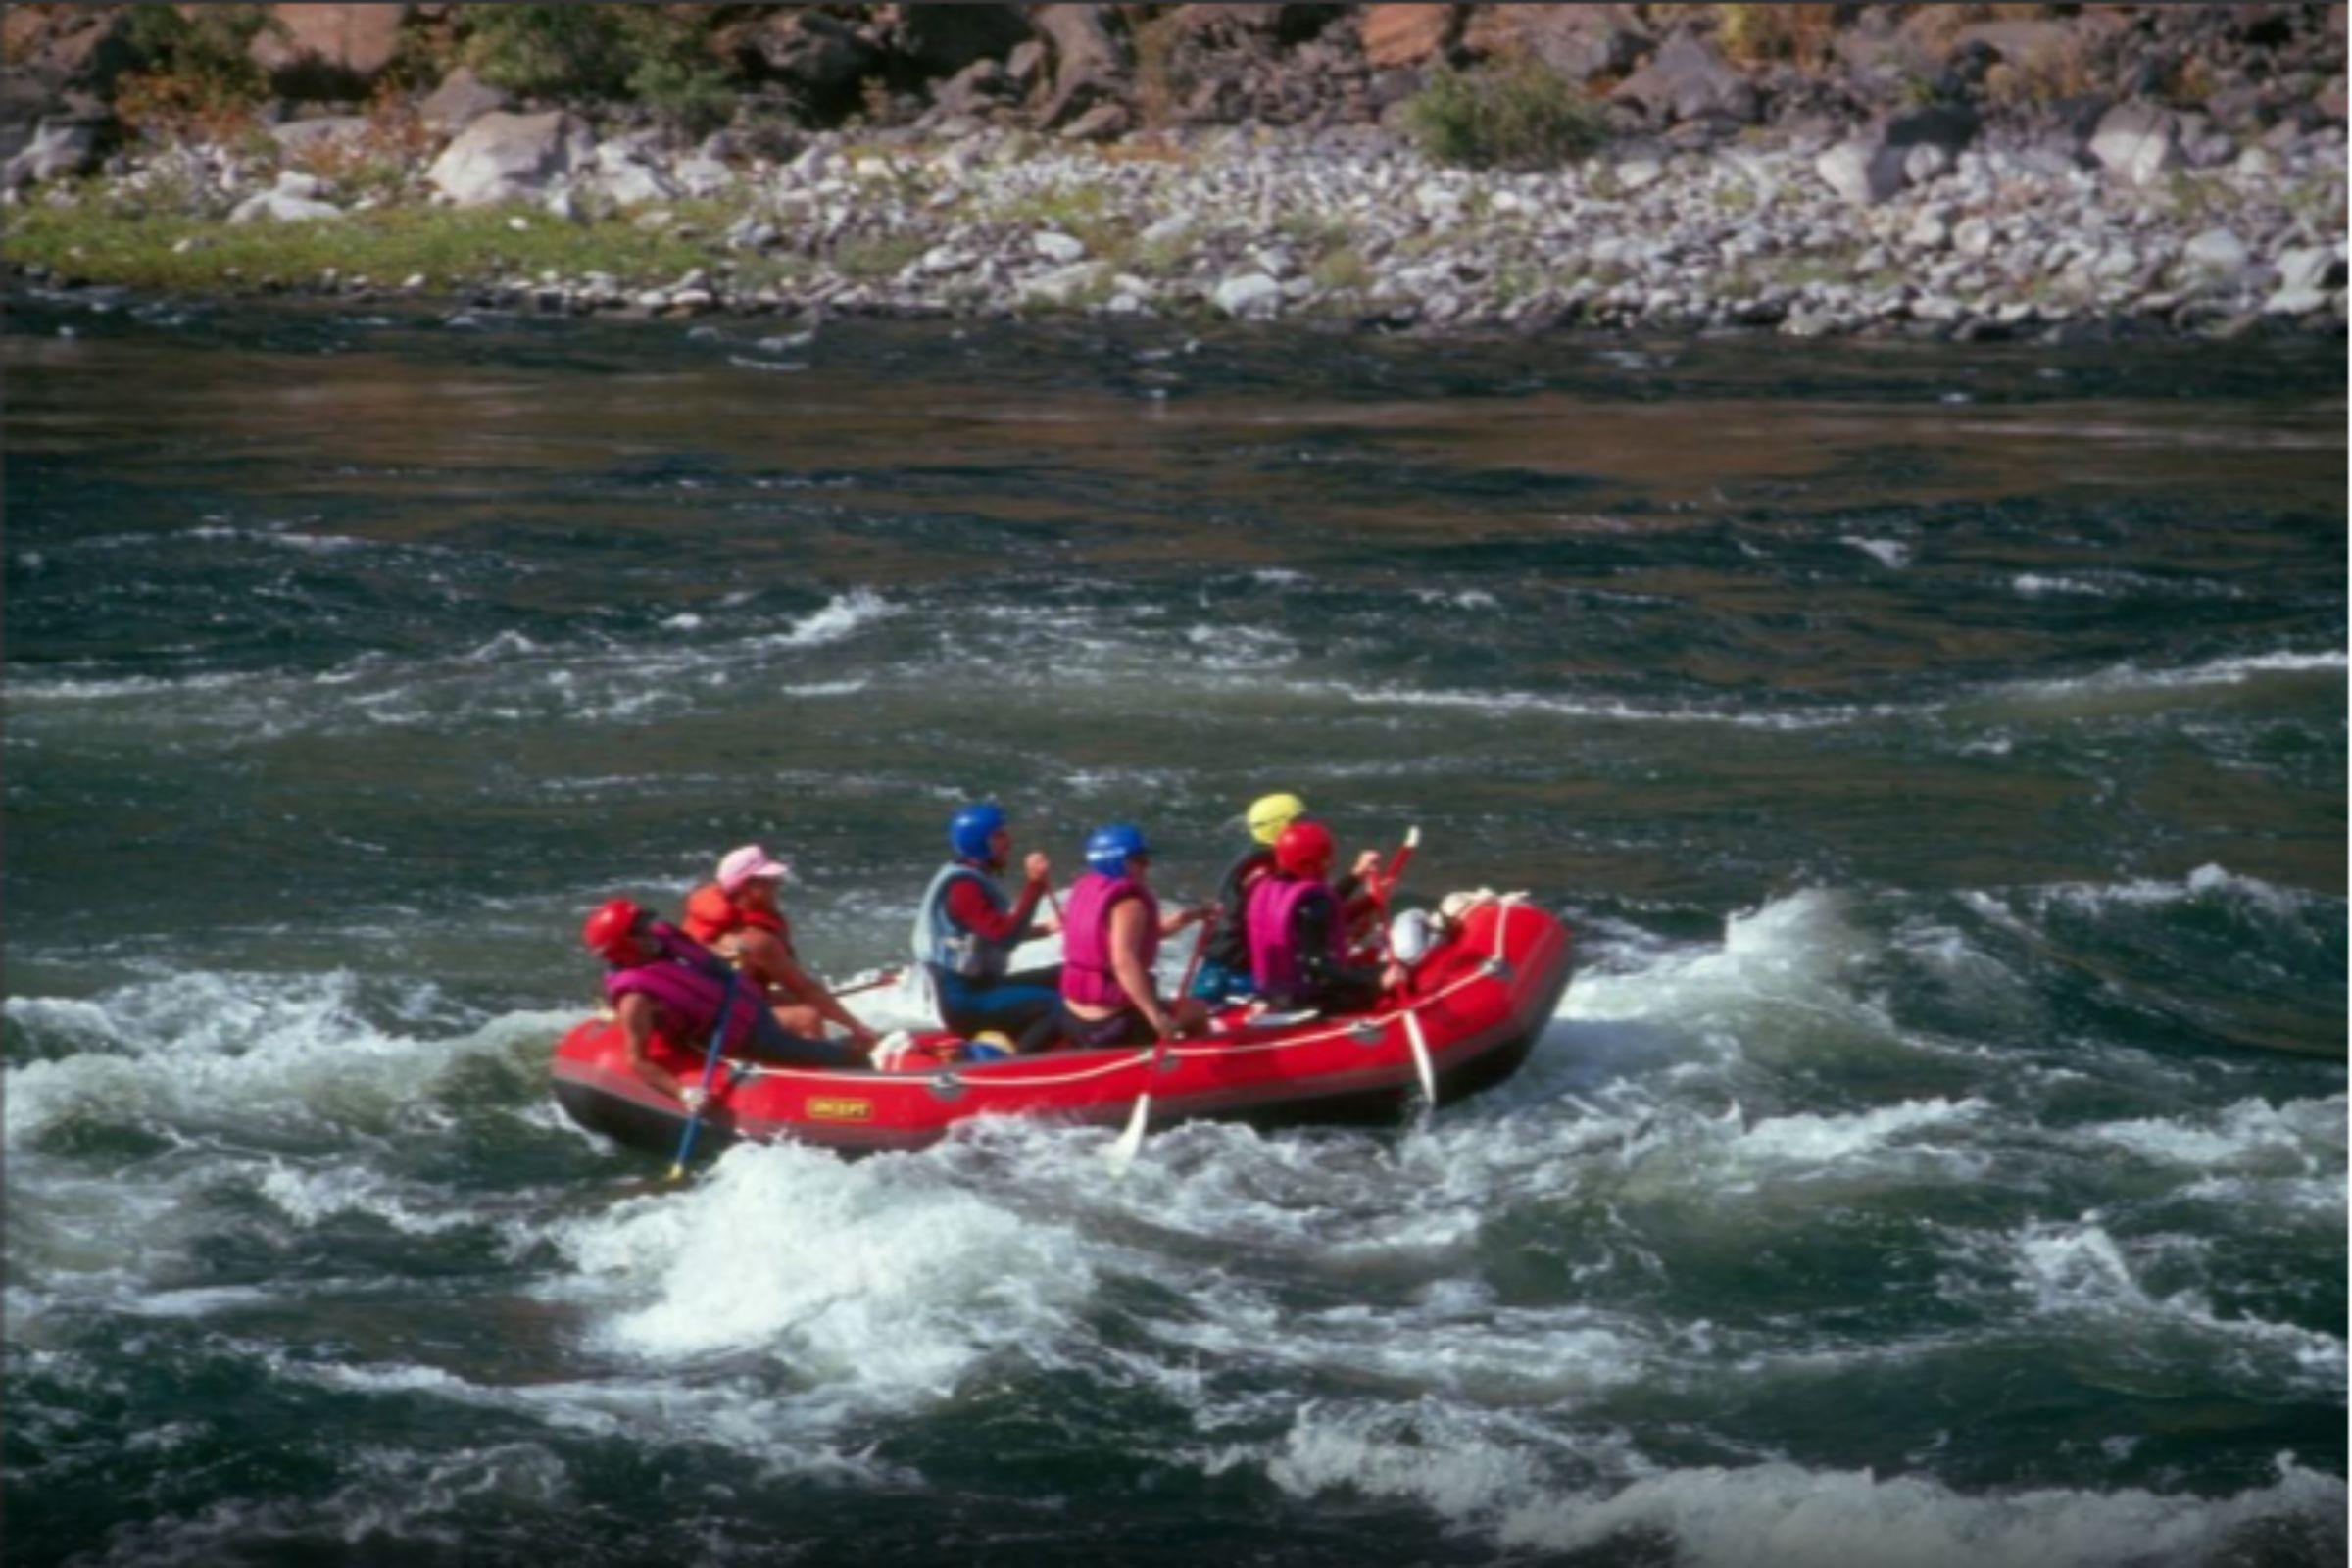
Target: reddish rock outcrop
{"type": "Point", "coordinates": [1580, 42]}
{"type": "Point", "coordinates": [323, 51]}
{"type": "Point", "coordinates": [1408, 35]}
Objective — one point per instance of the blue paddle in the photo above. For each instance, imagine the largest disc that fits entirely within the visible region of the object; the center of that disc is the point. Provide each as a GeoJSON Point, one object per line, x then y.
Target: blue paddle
{"type": "Point", "coordinates": [694, 1117]}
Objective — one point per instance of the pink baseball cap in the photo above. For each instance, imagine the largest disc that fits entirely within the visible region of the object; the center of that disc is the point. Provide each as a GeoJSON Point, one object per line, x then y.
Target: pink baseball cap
{"type": "Point", "coordinates": [749, 864]}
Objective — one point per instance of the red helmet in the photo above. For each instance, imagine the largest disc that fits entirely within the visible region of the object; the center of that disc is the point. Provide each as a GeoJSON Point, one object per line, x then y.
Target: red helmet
{"type": "Point", "coordinates": [611, 932]}
{"type": "Point", "coordinates": [1303, 850]}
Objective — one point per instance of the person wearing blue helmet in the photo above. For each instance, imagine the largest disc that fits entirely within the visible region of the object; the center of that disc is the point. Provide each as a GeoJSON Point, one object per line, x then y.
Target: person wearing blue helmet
{"type": "Point", "coordinates": [967, 930]}
{"type": "Point", "coordinates": [1110, 937]}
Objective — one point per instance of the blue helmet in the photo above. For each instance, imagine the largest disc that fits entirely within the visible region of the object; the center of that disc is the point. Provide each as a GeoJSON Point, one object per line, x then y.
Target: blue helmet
{"type": "Point", "coordinates": [970, 829]}
{"type": "Point", "coordinates": [1108, 849]}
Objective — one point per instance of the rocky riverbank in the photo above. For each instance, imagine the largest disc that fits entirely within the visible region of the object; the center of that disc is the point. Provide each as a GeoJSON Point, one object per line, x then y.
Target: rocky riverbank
{"type": "Point", "coordinates": [1949, 217]}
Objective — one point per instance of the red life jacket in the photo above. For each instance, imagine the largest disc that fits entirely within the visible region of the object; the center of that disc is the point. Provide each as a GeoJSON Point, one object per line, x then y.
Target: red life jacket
{"type": "Point", "coordinates": [1273, 924]}
{"type": "Point", "coordinates": [1086, 973]}
{"type": "Point", "coordinates": [711, 914]}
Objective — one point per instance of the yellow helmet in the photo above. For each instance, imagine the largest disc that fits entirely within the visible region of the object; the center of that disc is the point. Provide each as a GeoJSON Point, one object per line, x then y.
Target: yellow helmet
{"type": "Point", "coordinates": [1269, 815]}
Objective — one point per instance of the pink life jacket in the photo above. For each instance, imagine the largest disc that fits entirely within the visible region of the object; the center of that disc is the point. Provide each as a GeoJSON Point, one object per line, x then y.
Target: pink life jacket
{"type": "Point", "coordinates": [1273, 923]}
{"type": "Point", "coordinates": [689, 992]}
{"type": "Point", "coordinates": [1086, 973]}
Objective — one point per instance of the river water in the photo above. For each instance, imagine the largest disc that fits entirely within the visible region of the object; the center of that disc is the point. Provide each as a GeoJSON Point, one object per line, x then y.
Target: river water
{"type": "Point", "coordinates": [1939, 753]}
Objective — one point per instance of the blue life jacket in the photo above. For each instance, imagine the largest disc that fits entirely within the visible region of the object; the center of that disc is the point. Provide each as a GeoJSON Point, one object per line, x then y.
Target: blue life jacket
{"type": "Point", "coordinates": [940, 943]}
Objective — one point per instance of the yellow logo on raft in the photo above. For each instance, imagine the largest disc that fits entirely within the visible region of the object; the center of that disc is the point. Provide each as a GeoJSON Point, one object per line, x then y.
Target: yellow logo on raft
{"type": "Point", "coordinates": [825, 1108]}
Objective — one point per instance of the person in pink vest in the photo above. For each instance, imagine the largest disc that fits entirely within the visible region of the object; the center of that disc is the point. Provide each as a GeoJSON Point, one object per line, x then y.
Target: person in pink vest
{"type": "Point", "coordinates": [1111, 932]}
{"type": "Point", "coordinates": [1297, 931]}
{"type": "Point", "coordinates": [667, 988]}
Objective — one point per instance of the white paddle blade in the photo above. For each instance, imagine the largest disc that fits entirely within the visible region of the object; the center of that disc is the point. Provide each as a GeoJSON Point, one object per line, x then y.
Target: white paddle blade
{"type": "Point", "coordinates": [1412, 836]}
{"type": "Point", "coordinates": [1420, 1045]}
{"type": "Point", "coordinates": [1121, 1155]}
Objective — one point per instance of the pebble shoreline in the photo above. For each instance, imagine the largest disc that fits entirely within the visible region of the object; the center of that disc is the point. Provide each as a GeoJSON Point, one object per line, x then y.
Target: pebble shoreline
{"type": "Point", "coordinates": [1990, 240]}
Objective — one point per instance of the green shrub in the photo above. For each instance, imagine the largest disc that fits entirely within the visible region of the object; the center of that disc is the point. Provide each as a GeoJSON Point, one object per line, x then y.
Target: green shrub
{"type": "Point", "coordinates": [646, 53]}
{"type": "Point", "coordinates": [1517, 115]}
{"type": "Point", "coordinates": [1779, 31]}
{"type": "Point", "coordinates": [547, 51]}
{"type": "Point", "coordinates": [198, 76]}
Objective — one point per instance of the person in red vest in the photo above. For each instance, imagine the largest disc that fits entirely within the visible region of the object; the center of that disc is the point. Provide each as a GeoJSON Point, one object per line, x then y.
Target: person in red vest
{"type": "Point", "coordinates": [1297, 931]}
{"type": "Point", "coordinates": [736, 917]}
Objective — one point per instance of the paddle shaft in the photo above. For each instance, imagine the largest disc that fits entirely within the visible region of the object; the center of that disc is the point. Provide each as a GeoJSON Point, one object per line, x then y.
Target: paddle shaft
{"type": "Point", "coordinates": [889, 978]}
{"type": "Point", "coordinates": [694, 1117]}
{"type": "Point", "coordinates": [1131, 1142]}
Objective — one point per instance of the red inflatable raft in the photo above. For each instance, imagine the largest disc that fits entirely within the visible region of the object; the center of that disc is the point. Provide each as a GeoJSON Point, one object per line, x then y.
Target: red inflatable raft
{"type": "Point", "coordinates": [1479, 1003]}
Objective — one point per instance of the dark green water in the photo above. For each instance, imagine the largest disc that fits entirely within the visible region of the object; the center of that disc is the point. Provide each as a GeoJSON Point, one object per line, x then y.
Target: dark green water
{"type": "Point", "coordinates": [1940, 1159]}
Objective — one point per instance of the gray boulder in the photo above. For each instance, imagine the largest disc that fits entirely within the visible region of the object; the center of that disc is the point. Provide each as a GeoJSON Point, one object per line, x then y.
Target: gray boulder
{"type": "Point", "coordinates": [60, 149]}
{"type": "Point", "coordinates": [700, 175]}
{"type": "Point", "coordinates": [1908, 148]}
{"type": "Point", "coordinates": [503, 156]}
{"type": "Point", "coordinates": [628, 179]}
{"type": "Point", "coordinates": [974, 90]}
{"type": "Point", "coordinates": [2308, 268]}
{"type": "Point", "coordinates": [2215, 253]}
{"type": "Point", "coordinates": [1864, 170]}
{"type": "Point", "coordinates": [2296, 302]}
{"type": "Point", "coordinates": [1249, 295]}
{"type": "Point", "coordinates": [1687, 79]}
{"type": "Point", "coordinates": [288, 203]}
{"type": "Point", "coordinates": [2136, 142]}
{"type": "Point", "coordinates": [461, 99]}
{"type": "Point", "coordinates": [1924, 163]}
{"type": "Point", "coordinates": [1087, 65]}
{"type": "Point", "coordinates": [1107, 120]}
{"type": "Point", "coordinates": [1064, 283]}
{"type": "Point", "coordinates": [333, 131]}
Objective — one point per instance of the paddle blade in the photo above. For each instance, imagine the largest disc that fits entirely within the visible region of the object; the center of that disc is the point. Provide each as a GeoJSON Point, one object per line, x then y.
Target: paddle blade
{"type": "Point", "coordinates": [1121, 1155]}
{"type": "Point", "coordinates": [677, 1172]}
{"type": "Point", "coordinates": [1420, 1045]}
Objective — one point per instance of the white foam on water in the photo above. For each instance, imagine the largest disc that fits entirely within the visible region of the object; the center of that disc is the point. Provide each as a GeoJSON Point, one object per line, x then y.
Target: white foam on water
{"type": "Point", "coordinates": [2207, 881]}
{"type": "Point", "coordinates": [1456, 1465]}
{"type": "Point", "coordinates": [1820, 1143]}
{"type": "Point", "coordinates": [26, 687]}
{"type": "Point", "coordinates": [841, 615]}
{"type": "Point", "coordinates": [210, 1047]}
{"type": "Point", "coordinates": [314, 1195]}
{"type": "Point", "coordinates": [2033, 584]}
{"type": "Point", "coordinates": [196, 1301]}
{"type": "Point", "coordinates": [786, 1435]}
{"type": "Point", "coordinates": [1780, 1515]}
{"type": "Point", "coordinates": [509, 644]}
{"type": "Point", "coordinates": [875, 1281]}
{"type": "Point", "coordinates": [2300, 1137]}
{"type": "Point", "coordinates": [1893, 554]}
{"type": "Point", "coordinates": [1797, 950]}
{"type": "Point", "coordinates": [2233, 671]}
{"type": "Point", "coordinates": [1507, 704]}
{"type": "Point", "coordinates": [429, 1501]}
{"type": "Point", "coordinates": [2079, 1269]}
{"type": "Point", "coordinates": [1528, 1358]}
{"type": "Point", "coordinates": [321, 544]}
{"type": "Point", "coordinates": [1224, 646]}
